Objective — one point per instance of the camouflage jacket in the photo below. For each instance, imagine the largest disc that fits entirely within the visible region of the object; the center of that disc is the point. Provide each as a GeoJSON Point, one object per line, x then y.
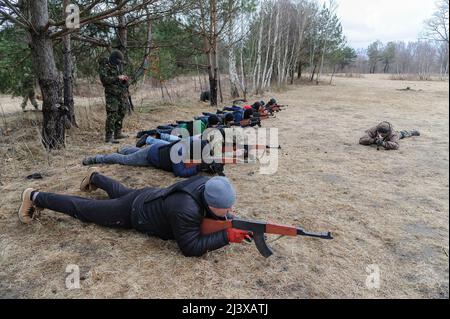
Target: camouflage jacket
{"type": "Point", "coordinates": [391, 141]}
{"type": "Point", "coordinates": [109, 76]}
{"type": "Point", "coordinates": [28, 82]}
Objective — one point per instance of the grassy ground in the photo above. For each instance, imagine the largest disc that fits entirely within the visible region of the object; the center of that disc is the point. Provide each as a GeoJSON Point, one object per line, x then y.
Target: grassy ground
{"type": "Point", "coordinates": [385, 208]}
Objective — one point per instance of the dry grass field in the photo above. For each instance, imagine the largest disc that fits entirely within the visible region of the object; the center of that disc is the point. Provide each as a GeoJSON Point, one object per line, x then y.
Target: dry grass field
{"type": "Point", "coordinates": [390, 209]}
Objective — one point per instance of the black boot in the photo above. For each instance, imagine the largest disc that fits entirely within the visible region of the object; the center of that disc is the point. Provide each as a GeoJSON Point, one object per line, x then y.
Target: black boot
{"type": "Point", "coordinates": [149, 132]}
{"type": "Point", "coordinates": [142, 141]}
{"type": "Point", "coordinates": [90, 160]}
{"type": "Point", "coordinates": [415, 133]}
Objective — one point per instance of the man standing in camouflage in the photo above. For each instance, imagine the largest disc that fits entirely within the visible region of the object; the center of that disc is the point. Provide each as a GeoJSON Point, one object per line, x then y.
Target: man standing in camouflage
{"type": "Point", "coordinates": [116, 95]}
{"type": "Point", "coordinates": [28, 91]}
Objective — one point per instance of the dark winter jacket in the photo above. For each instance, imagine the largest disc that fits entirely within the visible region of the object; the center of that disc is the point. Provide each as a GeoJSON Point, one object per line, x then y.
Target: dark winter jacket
{"type": "Point", "coordinates": [159, 157]}
{"type": "Point", "coordinates": [176, 213]}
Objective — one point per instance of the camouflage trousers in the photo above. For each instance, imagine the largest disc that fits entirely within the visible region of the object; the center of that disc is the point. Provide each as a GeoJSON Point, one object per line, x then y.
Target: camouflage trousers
{"type": "Point", "coordinates": [116, 108]}
{"type": "Point", "coordinates": [30, 95]}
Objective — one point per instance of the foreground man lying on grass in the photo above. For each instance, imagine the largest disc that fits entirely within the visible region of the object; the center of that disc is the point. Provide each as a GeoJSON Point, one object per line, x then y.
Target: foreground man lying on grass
{"type": "Point", "coordinates": [175, 212]}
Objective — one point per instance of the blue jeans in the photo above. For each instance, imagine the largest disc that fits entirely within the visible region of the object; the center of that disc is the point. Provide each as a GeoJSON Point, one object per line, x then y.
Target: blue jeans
{"type": "Point", "coordinates": [129, 155]}
{"type": "Point", "coordinates": [169, 137]}
{"type": "Point", "coordinates": [165, 139]}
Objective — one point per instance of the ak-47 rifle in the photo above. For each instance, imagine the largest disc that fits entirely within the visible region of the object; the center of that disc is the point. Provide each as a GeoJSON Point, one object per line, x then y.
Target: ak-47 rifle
{"type": "Point", "coordinates": [254, 121]}
{"type": "Point", "coordinates": [276, 107]}
{"type": "Point", "coordinates": [258, 229]}
{"type": "Point", "coordinates": [126, 83]}
{"type": "Point", "coordinates": [380, 137]}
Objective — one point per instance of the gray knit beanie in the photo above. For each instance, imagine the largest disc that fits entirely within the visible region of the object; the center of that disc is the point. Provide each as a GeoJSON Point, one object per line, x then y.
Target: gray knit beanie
{"type": "Point", "coordinates": [219, 193]}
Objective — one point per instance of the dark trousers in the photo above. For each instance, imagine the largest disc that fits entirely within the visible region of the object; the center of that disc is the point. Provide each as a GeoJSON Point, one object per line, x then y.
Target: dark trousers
{"type": "Point", "coordinates": [112, 212]}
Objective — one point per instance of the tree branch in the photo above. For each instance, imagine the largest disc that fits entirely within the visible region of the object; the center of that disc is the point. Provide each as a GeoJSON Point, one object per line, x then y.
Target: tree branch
{"type": "Point", "coordinates": [91, 40]}
{"type": "Point", "coordinates": [14, 20]}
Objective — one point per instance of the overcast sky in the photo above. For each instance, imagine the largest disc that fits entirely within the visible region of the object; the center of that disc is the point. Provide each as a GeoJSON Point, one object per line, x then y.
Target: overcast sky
{"type": "Point", "coordinates": [365, 21]}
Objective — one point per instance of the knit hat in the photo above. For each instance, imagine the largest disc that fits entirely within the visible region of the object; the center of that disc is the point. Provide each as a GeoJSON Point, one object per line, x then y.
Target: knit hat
{"type": "Point", "coordinates": [256, 105]}
{"type": "Point", "coordinates": [229, 118]}
{"type": "Point", "coordinates": [213, 120]}
{"type": "Point", "coordinates": [219, 193]}
{"type": "Point", "coordinates": [116, 57]}
{"type": "Point", "coordinates": [248, 114]}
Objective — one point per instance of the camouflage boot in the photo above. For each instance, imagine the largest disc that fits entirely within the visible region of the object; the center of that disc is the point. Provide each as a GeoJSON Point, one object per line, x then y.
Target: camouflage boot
{"type": "Point", "coordinates": [24, 103]}
{"type": "Point", "coordinates": [109, 139]}
{"type": "Point", "coordinates": [118, 135]}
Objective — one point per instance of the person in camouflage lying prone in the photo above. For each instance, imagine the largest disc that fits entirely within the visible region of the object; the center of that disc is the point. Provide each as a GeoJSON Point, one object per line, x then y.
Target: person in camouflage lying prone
{"type": "Point", "coordinates": [116, 94]}
{"type": "Point", "coordinates": [384, 135]}
{"type": "Point", "coordinates": [28, 91]}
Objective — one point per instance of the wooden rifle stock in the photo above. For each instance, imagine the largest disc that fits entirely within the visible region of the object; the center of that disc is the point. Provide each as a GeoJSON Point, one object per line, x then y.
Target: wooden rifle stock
{"type": "Point", "coordinates": [258, 229]}
{"type": "Point", "coordinates": [210, 226]}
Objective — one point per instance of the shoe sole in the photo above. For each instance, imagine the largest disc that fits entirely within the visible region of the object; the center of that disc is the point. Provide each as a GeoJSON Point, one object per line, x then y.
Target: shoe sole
{"type": "Point", "coordinates": [21, 205]}
{"type": "Point", "coordinates": [90, 188]}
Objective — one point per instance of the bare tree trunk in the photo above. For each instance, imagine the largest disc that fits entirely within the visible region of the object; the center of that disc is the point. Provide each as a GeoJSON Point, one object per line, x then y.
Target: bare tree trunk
{"type": "Point", "coordinates": [332, 75]}
{"type": "Point", "coordinates": [264, 72]}
{"type": "Point", "coordinates": [68, 75]}
{"type": "Point", "coordinates": [122, 33]}
{"type": "Point", "coordinates": [285, 66]}
{"type": "Point", "coordinates": [299, 71]}
{"type": "Point", "coordinates": [303, 15]}
{"type": "Point", "coordinates": [199, 77]}
{"type": "Point", "coordinates": [274, 51]}
{"type": "Point", "coordinates": [213, 63]}
{"type": "Point", "coordinates": [257, 69]}
{"type": "Point", "coordinates": [220, 87]}
{"type": "Point", "coordinates": [279, 40]}
{"type": "Point", "coordinates": [149, 43]}
{"type": "Point", "coordinates": [232, 72]}
{"type": "Point", "coordinates": [53, 131]}
{"type": "Point", "coordinates": [243, 82]}
{"type": "Point", "coordinates": [322, 60]}
{"type": "Point", "coordinates": [313, 72]}
{"type": "Point", "coordinates": [332, 9]}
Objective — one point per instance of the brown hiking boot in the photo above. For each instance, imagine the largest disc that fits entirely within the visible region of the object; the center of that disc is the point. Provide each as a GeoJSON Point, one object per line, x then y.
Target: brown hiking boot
{"type": "Point", "coordinates": [86, 185]}
{"type": "Point", "coordinates": [28, 211]}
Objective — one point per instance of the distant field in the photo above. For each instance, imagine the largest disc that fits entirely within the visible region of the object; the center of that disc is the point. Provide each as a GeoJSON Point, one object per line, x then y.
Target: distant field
{"type": "Point", "coordinates": [389, 209]}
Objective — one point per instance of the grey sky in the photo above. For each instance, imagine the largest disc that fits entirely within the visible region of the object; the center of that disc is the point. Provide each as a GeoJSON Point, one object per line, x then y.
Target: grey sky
{"type": "Point", "coordinates": [365, 21]}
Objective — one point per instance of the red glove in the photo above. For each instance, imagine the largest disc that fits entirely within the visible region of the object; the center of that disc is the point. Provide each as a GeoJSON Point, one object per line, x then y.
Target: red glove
{"type": "Point", "coordinates": [238, 236]}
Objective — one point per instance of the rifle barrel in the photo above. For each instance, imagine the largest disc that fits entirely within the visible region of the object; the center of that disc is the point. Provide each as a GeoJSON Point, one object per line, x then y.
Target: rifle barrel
{"type": "Point", "coordinates": [302, 232]}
